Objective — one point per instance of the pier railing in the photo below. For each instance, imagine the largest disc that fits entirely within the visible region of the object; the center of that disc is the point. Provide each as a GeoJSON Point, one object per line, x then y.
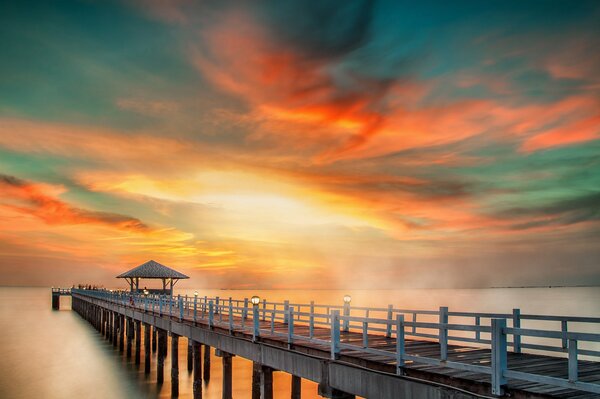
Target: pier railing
{"type": "Point", "coordinates": [494, 331]}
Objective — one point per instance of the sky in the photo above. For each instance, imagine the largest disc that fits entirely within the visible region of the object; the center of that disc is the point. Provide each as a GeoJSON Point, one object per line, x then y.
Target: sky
{"type": "Point", "coordinates": [301, 144]}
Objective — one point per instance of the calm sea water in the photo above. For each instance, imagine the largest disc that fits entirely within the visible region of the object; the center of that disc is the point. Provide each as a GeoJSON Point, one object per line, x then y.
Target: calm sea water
{"type": "Point", "coordinates": [56, 354]}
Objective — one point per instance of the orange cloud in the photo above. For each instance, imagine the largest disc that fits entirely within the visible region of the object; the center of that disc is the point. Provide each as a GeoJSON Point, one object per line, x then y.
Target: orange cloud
{"type": "Point", "coordinates": [31, 199]}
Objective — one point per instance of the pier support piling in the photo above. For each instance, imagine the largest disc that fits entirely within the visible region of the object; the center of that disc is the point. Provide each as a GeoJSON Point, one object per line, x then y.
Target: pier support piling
{"type": "Point", "coordinates": [174, 365]}
{"type": "Point", "coordinates": [227, 375]}
{"type": "Point", "coordinates": [256, 370]}
{"type": "Point", "coordinates": [154, 339]}
{"type": "Point", "coordinates": [147, 350]}
{"type": "Point", "coordinates": [138, 341]}
{"type": "Point", "coordinates": [160, 363]}
{"type": "Point", "coordinates": [121, 333]}
{"type": "Point", "coordinates": [129, 332]}
{"type": "Point", "coordinates": [266, 383]}
{"type": "Point", "coordinates": [206, 363]}
{"type": "Point", "coordinates": [190, 355]}
{"type": "Point", "coordinates": [296, 387]}
{"type": "Point", "coordinates": [197, 348]}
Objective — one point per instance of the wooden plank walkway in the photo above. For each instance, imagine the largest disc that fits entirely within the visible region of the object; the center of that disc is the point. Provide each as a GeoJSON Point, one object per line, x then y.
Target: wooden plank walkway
{"type": "Point", "coordinates": [533, 363]}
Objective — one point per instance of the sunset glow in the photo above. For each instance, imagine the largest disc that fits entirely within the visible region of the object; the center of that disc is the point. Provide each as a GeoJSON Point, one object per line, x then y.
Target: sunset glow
{"type": "Point", "coordinates": [282, 145]}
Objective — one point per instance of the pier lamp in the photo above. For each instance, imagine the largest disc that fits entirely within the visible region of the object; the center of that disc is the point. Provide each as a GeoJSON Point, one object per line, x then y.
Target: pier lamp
{"type": "Point", "coordinates": [146, 292]}
{"type": "Point", "coordinates": [255, 300]}
{"type": "Point", "coordinates": [347, 300]}
{"type": "Point", "coordinates": [196, 293]}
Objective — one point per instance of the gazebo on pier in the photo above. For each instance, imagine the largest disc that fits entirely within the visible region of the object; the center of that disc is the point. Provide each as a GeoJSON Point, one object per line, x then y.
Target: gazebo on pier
{"type": "Point", "coordinates": [153, 270]}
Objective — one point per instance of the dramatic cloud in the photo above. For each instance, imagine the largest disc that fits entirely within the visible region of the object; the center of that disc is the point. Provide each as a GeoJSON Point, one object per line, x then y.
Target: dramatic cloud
{"type": "Point", "coordinates": [288, 142]}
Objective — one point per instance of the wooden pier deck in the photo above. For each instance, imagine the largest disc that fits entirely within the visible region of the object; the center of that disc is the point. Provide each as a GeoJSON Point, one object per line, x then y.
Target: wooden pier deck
{"type": "Point", "coordinates": [465, 369]}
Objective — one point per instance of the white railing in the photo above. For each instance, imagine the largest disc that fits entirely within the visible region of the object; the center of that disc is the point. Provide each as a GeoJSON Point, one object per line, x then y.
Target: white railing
{"type": "Point", "coordinates": [487, 330]}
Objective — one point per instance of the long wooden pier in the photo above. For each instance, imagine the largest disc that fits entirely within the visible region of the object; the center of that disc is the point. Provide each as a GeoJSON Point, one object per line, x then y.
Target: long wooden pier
{"type": "Point", "coordinates": [367, 352]}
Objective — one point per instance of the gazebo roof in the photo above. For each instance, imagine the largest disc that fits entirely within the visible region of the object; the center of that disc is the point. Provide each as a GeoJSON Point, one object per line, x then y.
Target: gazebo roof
{"type": "Point", "coordinates": [152, 269]}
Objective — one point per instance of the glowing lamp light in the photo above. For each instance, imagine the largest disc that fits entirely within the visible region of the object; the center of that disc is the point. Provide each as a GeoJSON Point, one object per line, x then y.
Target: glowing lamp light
{"type": "Point", "coordinates": [347, 298]}
{"type": "Point", "coordinates": [255, 300]}
{"type": "Point", "coordinates": [195, 293]}
{"type": "Point", "coordinates": [145, 292]}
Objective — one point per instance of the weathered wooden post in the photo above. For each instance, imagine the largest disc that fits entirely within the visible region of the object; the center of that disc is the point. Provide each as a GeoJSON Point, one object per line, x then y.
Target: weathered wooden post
{"type": "Point", "coordinates": [147, 349]}
{"type": "Point", "coordinates": [516, 322]}
{"type": "Point", "coordinates": [399, 343]}
{"type": "Point", "coordinates": [227, 374]}
{"type": "Point", "coordinates": [138, 341]}
{"type": "Point", "coordinates": [256, 370]}
{"type": "Point", "coordinates": [154, 339]}
{"type": "Point", "coordinates": [290, 339]}
{"type": "Point", "coordinates": [286, 308]}
{"type": "Point", "coordinates": [245, 310]}
{"type": "Point", "coordinates": [335, 334]}
{"type": "Point", "coordinates": [160, 361]}
{"type": "Point", "coordinates": [573, 366]}
{"type": "Point", "coordinates": [129, 331]}
{"type": "Point", "coordinates": [266, 383]}
{"type": "Point", "coordinates": [206, 363]}
{"type": "Point", "coordinates": [211, 314]}
{"type": "Point", "coordinates": [311, 320]}
{"type": "Point", "coordinates": [388, 327]}
{"type": "Point", "coordinates": [197, 370]}
{"type": "Point", "coordinates": [115, 327]}
{"type": "Point", "coordinates": [499, 356]}
{"type": "Point", "coordinates": [255, 318]}
{"type": "Point", "coordinates": [190, 354]}
{"type": "Point", "coordinates": [296, 387]}
{"type": "Point", "coordinates": [121, 333]}
{"type": "Point", "coordinates": [443, 337]}
{"type": "Point", "coordinates": [180, 306]}
{"type": "Point", "coordinates": [175, 363]}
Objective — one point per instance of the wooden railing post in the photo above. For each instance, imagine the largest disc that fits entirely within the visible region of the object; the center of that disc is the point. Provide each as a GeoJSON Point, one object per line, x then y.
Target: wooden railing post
{"type": "Point", "coordinates": [365, 334]}
{"type": "Point", "coordinates": [443, 333]}
{"type": "Point", "coordinates": [573, 370]}
{"type": "Point", "coordinates": [195, 308]}
{"type": "Point", "coordinates": [311, 320]}
{"type": "Point", "coordinates": [230, 317]}
{"type": "Point", "coordinates": [272, 322]}
{"type": "Point", "coordinates": [335, 334]}
{"type": "Point", "coordinates": [160, 305]}
{"type": "Point", "coordinates": [211, 314]}
{"type": "Point", "coordinates": [499, 356]}
{"type": "Point", "coordinates": [245, 312]}
{"type": "Point", "coordinates": [290, 326]}
{"type": "Point", "coordinates": [388, 328]}
{"type": "Point", "coordinates": [180, 304]}
{"type": "Point", "coordinates": [516, 322]}
{"type": "Point", "coordinates": [216, 309]}
{"type": "Point", "coordinates": [563, 329]}
{"type": "Point", "coordinates": [399, 343]}
{"type": "Point", "coordinates": [346, 323]}
{"type": "Point", "coordinates": [264, 312]}
{"type": "Point", "coordinates": [286, 309]}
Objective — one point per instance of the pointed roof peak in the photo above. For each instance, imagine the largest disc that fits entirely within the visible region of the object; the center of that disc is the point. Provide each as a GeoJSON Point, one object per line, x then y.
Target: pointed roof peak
{"type": "Point", "coordinates": [152, 269]}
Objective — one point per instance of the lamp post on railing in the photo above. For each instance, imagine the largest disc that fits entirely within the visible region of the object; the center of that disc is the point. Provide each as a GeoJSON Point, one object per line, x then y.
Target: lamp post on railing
{"type": "Point", "coordinates": [255, 318]}
{"type": "Point", "coordinates": [347, 300]}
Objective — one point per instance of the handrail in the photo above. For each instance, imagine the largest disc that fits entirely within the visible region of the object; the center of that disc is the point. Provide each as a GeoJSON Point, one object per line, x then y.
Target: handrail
{"type": "Point", "coordinates": [246, 317]}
